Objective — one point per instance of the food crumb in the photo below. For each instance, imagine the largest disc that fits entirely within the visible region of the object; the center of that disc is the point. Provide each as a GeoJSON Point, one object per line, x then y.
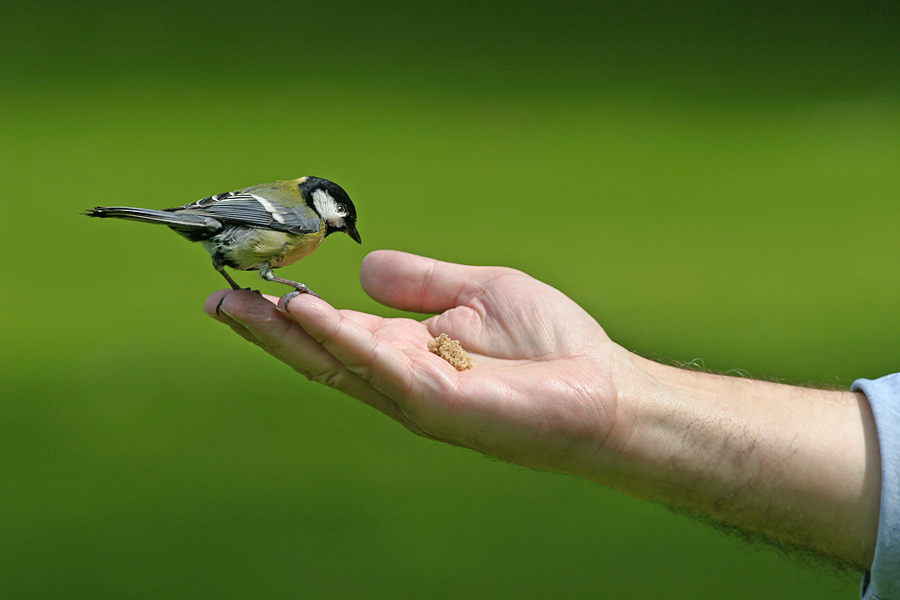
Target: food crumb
{"type": "Point", "coordinates": [451, 351]}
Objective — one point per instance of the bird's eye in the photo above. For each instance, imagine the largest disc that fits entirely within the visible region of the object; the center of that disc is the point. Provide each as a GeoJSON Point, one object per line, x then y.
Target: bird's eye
{"type": "Point", "coordinates": [342, 210]}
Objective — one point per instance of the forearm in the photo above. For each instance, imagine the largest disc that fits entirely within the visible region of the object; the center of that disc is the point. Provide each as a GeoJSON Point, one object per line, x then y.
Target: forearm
{"type": "Point", "coordinates": [796, 465]}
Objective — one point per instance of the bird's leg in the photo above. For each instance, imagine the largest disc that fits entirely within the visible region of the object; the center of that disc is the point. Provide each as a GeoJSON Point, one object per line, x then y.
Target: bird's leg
{"type": "Point", "coordinates": [228, 278]}
{"type": "Point", "coordinates": [232, 282]}
{"type": "Point", "coordinates": [267, 274]}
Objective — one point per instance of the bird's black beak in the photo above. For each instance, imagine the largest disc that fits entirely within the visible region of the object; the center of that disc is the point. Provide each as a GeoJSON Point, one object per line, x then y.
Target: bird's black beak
{"type": "Point", "coordinates": [354, 234]}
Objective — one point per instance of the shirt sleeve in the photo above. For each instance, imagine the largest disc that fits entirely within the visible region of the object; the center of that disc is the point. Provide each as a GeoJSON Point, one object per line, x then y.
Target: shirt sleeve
{"type": "Point", "coordinates": [883, 581]}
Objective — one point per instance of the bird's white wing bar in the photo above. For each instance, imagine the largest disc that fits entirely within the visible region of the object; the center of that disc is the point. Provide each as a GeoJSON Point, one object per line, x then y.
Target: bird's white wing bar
{"type": "Point", "coordinates": [239, 208]}
{"type": "Point", "coordinates": [276, 214]}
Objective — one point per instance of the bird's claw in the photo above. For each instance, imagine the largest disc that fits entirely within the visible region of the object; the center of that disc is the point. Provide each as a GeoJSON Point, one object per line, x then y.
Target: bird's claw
{"type": "Point", "coordinates": [291, 295]}
{"type": "Point", "coordinates": [219, 305]}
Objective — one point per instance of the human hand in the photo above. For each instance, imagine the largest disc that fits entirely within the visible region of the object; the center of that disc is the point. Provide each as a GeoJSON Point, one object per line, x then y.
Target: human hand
{"type": "Point", "coordinates": [540, 393]}
{"type": "Point", "coordinates": [550, 390]}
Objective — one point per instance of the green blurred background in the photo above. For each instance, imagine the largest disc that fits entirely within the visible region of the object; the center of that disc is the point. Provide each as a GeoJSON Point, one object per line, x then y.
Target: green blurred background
{"type": "Point", "coordinates": [713, 181]}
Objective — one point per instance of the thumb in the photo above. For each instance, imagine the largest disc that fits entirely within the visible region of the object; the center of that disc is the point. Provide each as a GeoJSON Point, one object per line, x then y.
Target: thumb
{"type": "Point", "coordinates": [420, 284]}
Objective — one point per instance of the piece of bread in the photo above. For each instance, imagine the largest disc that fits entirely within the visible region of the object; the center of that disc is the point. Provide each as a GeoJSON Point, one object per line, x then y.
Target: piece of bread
{"type": "Point", "coordinates": [451, 351]}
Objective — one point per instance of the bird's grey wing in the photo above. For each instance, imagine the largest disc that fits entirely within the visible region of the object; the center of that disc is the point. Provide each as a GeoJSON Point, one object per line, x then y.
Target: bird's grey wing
{"type": "Point", "coordinates": [242, 208]}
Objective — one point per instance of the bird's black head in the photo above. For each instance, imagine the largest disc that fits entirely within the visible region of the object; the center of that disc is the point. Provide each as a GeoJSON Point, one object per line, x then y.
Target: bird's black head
{"type": "Point", "coordinates": [332, 203]}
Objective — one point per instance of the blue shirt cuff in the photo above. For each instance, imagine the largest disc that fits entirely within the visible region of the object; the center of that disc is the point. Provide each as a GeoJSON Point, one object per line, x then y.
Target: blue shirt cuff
{"type": "Point", "coordinates": [883, 581]}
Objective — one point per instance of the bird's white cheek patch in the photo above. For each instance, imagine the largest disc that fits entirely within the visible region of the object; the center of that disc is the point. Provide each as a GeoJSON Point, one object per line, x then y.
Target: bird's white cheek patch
{"type": "Point", "coordinates": [270, 208]}
{"type": "Point", "coordinates": [327, 208]}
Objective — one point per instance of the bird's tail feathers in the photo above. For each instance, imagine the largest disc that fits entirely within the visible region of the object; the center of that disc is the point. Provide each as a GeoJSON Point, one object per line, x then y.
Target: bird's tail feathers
{"type": "Point", "coordinates": [149, 215]}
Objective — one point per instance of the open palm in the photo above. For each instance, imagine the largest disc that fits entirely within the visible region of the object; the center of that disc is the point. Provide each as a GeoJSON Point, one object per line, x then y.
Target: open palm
{"type": "Point", "coordinates": [536, 396]}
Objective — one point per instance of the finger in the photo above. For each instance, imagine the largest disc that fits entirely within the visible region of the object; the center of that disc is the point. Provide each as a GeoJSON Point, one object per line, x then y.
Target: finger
{"type": "Point", "coordinates": [213, 303]}
{"type": "Point", "coordinates": [284, 339]}
{"type": "Point", "coordinates": [376, 360]}
{"type": "Point", "coordinates": [213, 307]}
{"type": "Point", "coordinates": [268, 328]}
{"type": "Point", "coordinates": [421, 284]}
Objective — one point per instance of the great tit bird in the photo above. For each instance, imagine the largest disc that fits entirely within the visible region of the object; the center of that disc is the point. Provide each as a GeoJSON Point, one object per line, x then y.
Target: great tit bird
{"type": "Point", "coordinates": [261, 227]}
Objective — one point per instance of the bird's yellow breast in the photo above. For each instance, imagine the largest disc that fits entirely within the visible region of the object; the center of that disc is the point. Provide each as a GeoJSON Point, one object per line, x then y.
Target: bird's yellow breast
{"type": "Point", "coordinates": [275, 248]}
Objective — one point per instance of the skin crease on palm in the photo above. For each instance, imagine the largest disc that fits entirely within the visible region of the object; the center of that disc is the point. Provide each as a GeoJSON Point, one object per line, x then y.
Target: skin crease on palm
{"type": "Point", "coordinates": [551, 391]}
